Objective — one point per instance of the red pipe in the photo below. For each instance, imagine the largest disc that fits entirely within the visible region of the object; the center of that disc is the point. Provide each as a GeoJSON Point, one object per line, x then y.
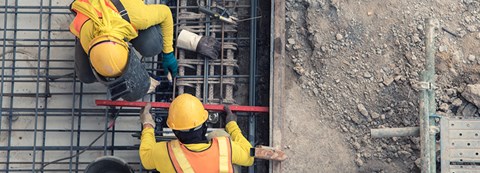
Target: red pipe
{"type": "Point", "coordinates": [210, 107]}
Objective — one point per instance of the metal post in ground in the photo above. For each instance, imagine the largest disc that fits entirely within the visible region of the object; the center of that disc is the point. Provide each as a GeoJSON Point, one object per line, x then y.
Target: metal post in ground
{"type": "Point", "coordinates": [427, 107]}
{"type": "Point", "coordinates": [427, 103]}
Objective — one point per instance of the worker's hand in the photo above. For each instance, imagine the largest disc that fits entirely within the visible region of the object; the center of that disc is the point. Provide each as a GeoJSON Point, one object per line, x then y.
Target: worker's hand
{"type": "Point", "coordinates": [230, 115]}
{"type": "Point", "coordinates": [153, 85]}
{"type": "Point", "coordinates": [209, 47]}
{"type": "Point", "coordinates": [146, 117]}
{"type": "Point", "coordinates": [170, 64]}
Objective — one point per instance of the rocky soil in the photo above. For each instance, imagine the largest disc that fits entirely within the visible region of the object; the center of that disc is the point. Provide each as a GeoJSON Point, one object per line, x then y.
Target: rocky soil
{"type": "Point", "coordinates": [357, 64]}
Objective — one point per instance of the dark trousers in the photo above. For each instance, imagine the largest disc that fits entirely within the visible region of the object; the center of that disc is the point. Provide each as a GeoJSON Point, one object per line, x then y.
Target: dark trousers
{"type": "Point", "coordinates": [149, 42]}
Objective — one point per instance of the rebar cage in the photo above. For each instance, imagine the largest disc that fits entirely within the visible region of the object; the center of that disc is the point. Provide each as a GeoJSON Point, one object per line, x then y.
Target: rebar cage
{"type": "Point", "coordinates": [48, 114]}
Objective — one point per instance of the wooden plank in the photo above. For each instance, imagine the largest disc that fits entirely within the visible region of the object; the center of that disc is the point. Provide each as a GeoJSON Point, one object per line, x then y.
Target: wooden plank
{"type": "Point", "coordinates": [277, 80]}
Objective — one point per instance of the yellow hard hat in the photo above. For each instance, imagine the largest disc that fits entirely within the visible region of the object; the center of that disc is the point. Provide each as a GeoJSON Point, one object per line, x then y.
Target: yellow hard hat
{"type": "Point", "coordinates": [186, 112]}
{"type": "Point", "coordinates": [108, 55]}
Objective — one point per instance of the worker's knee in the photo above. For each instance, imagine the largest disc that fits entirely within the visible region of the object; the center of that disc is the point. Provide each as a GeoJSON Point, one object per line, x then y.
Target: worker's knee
{"type": "Point", "coordinates": [149, 41]}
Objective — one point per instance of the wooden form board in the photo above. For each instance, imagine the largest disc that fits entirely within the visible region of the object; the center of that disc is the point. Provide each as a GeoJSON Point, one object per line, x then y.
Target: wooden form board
{"type": "Point", "coordinates": [277, 79]}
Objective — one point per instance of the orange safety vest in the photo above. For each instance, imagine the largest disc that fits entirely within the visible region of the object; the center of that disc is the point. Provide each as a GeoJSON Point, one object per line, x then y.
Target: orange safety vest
{"type": "Point", "coordinates": [217, 158]}
{"type": "Point", "coordinates": [80, 19]}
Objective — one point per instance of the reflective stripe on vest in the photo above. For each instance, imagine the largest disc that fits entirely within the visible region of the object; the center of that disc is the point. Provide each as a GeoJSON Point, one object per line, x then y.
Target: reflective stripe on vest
{"type": "Point", "coordinates": [223, 151]}
{"type": "Point", "coordinates": [186, 161]}
{"type": "Point", "coordinates": [180, 157]}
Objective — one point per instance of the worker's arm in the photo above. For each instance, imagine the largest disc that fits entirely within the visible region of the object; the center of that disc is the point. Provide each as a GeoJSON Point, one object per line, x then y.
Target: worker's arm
{"type": "Point", "coordinates": [143, 16]}
{"type": "Point", "coordinates": [154, 155]}
{"type": "Point", "coordinates": [147, 141]}
{"type": "Point", "coordinates": [147, 147]}
{"type": "Point", "coordinates": [240, 145]}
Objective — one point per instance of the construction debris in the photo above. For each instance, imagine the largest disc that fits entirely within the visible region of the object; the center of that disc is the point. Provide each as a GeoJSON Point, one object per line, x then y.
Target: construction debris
{"type": "Point", "coordinates": [472, 94]}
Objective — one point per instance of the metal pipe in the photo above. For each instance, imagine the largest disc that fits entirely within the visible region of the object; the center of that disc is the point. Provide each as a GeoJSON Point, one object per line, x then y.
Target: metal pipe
{"type": "Point", "coordinates": [2, 81]}
{"type": "Point", "coordinates": [35, 12]}
{"type": "Point", "coordinates": [133, 112]}
{"type": "Point", "coordinates": [46, 94]}
{"type": "Point", "coordinates": [35, 30]}
{"type": "Point", "coordinates": [68, 130]}
{"type": "Point", "coordinates": [106, 134]}
{"type": "Point", "coordinates": [42, 60]}
{"type": "Point", "coordinates": [34, 45]}
{"type": "Point", "coordinates": [210, 107]}
{"type": "Point", "coordinates": [113, 140]}
{"type": "Point", "coordinates": [37, 87]}
{"type": "Point", "coordinates": [47, 85]}
{"type": "Point", "coordinates": [41, 39]}
{"type": "Point", "coordinates": [72, 121]}
{"type": "Point", "coordinates": [180, 55]}
{"type": "Point", "coordinates": [41, 68]}
{"type": "Point", "coordinates": [33, 7]}
{"type": "Point", "coordinates": [221, 60]}
{"type": "Point", "coordinates": [427, 102]}
{"type": "Point", "coordinates": [206, 64]}
{"type": "Point", "coordinates": [253, 67]}
{"type": "Point", "coordinates": [66, 8]}
{"type": "Point", "coordinates": [395, 132]}
{"type": "Point", "coordinates": [12, 89]}
{"type": "Point", "coordinates": [67, 148]}
{"type": "Point", "coordinates": [271, 78]}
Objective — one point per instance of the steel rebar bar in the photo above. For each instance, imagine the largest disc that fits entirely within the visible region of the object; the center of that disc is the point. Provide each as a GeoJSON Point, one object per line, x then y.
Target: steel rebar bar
{"type": "Point", "coordinates": [37, 85]}
{"type": "Point", "coordinates": [252, 85]}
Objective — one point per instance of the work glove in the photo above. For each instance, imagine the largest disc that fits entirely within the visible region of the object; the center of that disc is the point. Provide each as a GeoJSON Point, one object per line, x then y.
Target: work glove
{"type": "Point", "coordinates": [153, 85]}
{"type": "Point", "coordinates": [170, 64]}
{"type": "Point", "coordinates": [209, 47]}
{"type": "Point", "coordinates": [145, 116]}
{"type": "Point", "coordinates": [230, 115]}
{"type": "Point", "coordinates": [206, 46]}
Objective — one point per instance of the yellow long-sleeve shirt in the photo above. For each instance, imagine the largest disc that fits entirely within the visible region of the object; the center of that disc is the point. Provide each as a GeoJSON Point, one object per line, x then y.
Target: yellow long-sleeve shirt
{"type": "Point", "coordinates": [142, 16]}
{"type": "Point", "coordinates": [154, 155]}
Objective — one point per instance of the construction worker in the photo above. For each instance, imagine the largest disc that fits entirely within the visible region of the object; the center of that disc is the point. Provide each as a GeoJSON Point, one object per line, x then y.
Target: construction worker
{"type": "Point", "coordinates": [103, 32]}
{"type": "Point", "coordinates": [103, 28]}
{"type": "Point", "coordinates": [193, 151]}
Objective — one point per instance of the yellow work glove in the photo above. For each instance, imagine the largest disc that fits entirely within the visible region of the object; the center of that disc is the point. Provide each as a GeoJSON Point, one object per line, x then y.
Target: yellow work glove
{"type": "Point", "coordinates": [145, 116]}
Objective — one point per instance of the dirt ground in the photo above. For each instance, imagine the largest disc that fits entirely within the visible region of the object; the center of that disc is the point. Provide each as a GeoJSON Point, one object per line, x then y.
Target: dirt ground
{"type": "Point", "coordinates": [353, 66]}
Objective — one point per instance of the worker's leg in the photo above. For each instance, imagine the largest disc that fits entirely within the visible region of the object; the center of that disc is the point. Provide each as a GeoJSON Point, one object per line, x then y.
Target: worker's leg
{"type": "Point", "coordinates": [82, 65]}
{"type": "Point", "coordinates": [143, 16]}
{"type": "Point", "coordinates": [149, 41]}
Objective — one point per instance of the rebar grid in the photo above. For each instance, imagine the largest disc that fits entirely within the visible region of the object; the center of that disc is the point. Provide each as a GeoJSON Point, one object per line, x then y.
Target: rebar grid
{"type": "Point", "coordinates": [211, 90]}
{"type": "Point", "coordinates": [47, 113]}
